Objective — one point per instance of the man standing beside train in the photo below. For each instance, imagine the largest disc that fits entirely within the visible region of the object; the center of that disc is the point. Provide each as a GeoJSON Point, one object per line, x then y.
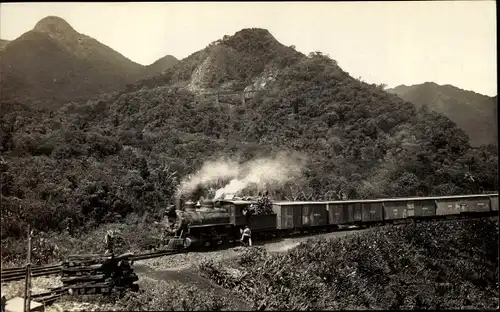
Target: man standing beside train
{"type": "Point", "coordinates": [246, 236]}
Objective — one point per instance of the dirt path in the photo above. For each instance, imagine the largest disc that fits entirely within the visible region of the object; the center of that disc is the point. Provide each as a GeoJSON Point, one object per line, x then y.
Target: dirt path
{"type": "Point", "coordinates": [184, 261]}
{"type": "Point", "coordinates": [182, 268]}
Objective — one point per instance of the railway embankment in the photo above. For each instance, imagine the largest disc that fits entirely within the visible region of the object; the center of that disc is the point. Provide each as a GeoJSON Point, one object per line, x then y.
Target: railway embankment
{"type": "Point", "coordinates": [448, 264]}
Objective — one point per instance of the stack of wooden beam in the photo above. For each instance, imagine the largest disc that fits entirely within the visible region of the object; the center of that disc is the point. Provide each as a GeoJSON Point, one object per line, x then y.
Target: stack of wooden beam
{"type": "Point", "coordinates": [94, 274]}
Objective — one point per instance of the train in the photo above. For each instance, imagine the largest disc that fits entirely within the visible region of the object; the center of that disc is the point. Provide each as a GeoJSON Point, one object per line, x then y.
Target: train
{"type": "Point", "coordinates": [210, 223]}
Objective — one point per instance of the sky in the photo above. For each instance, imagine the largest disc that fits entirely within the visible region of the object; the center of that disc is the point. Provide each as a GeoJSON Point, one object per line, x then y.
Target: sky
{"type": "Point", "coordinates": [447, 42]}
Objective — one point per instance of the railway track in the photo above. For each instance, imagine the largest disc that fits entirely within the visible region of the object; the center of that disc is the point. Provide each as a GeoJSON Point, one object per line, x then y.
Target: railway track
{"type": "Point", "coordinates": [19, 273]}
{"type": "Point", "coordinates": [14, 274]}
{"type": "Point", "coordinates": [56, 293]}
{"type": "Point", "coordinates": [50, 296]}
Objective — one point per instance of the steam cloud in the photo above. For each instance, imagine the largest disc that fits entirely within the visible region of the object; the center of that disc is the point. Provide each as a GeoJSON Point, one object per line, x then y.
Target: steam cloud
{"type": "Point", "coordinates": [260, 173]}
{"type": "Point", "coordinates": [210, 174]}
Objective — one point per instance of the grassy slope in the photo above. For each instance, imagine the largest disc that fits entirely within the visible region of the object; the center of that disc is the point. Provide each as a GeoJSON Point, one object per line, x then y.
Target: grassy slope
{"type": "Point", "coordinates": [429, 265]}
{"type": "Point", "coordinates": [436, 265]}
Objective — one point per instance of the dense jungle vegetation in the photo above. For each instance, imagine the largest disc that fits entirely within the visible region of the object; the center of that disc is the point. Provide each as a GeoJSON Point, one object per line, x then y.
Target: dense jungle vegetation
{"type": "Point", "coordinates": [124, 152]}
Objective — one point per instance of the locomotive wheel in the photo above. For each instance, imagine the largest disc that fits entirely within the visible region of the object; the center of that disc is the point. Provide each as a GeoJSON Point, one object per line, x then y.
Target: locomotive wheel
{"type": "Point", "coordinates": [187, 242]}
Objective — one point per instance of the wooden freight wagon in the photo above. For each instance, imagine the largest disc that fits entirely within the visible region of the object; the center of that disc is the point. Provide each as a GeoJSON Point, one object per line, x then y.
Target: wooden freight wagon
{"type": "Point", "coordinates": [314, 215]}
{"type": "Point", "coordinates": [423, 208]}
{"type": "Point", "coordinates": [372, 211]}
{"type": "Point", "coordinates": [344, 212]}
{"type": "Point", "coordinates": [288, 215]}
{"type": "Point", "coordinates": [478, 204]}
{"type": "Point", "coordinates": [450, 206]}
{"type": "Point", "coordinates": [397, 209]}
{"type": "Point", "coordinates": [494, 203]}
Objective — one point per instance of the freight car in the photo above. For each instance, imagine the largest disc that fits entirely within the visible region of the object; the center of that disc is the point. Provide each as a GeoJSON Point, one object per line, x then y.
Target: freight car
{"type": "Point", "coordinates": [222, 222]}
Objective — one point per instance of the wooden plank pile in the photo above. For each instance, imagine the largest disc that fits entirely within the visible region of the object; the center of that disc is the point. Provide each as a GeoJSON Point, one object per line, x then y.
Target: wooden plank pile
{"type": "Point", "coordinates": [95, 274]}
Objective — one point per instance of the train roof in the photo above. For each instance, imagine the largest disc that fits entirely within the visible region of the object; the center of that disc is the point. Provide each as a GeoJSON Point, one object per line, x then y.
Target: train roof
{"type": "Point", "coordinates": [285, 203]}
{"type": "Point", "coordinates": [440, 197]}
{"type": "Point", "coordinates": [238, 201]}
{"type": "Point", "coordinates": [353, 201]}
{"type": "Point", "coordinates": [394, 199]}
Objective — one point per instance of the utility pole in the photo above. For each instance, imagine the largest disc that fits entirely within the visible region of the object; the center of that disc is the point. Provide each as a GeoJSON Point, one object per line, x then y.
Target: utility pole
{"type": "Point", "coordinates": [243, 98]}
{"type": "Point", "coordinates": [27, 286]}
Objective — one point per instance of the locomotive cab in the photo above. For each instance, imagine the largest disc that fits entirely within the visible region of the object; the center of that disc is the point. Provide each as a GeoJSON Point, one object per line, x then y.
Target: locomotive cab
{"type": "Point", "coordinates": [241, 213]}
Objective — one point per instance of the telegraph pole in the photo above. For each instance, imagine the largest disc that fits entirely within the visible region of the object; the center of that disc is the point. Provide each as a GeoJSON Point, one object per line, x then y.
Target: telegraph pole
{"type": "Point", "coordinates": [27, 286]}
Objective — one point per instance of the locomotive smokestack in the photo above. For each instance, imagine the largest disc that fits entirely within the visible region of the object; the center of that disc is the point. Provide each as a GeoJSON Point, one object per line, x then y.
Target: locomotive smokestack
{"type": "Point", "coordinates": [179, 204]}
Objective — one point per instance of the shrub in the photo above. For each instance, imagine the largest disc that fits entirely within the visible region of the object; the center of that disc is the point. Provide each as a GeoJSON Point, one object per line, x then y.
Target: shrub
{"type": "Point", "coordinates": [430, 265]}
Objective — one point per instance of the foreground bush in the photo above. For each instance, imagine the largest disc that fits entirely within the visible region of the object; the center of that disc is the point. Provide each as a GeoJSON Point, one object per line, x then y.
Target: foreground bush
{"type": "Point", "coordinates": [167, 296]}
{"type": "Point", "coordinates": [432, 265]}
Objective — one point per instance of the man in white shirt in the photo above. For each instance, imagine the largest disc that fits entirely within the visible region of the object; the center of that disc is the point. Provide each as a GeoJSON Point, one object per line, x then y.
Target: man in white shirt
{"type": "Point", "coordinates": [246, 237]}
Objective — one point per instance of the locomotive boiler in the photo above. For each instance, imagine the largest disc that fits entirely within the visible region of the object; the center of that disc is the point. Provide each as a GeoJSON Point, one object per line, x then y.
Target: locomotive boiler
{"type": "Point", "coordinates": [200, 224]}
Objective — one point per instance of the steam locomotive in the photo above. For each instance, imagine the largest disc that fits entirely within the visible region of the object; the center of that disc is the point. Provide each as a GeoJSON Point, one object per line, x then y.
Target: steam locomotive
{"type": "Point", "coordinates": [209, 223]}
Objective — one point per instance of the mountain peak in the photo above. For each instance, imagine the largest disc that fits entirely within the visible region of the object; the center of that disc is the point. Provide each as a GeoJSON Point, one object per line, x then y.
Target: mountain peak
{"type": "Point", "coordinates": [54, 25]}
{"type": "Point", "coordinates": [256, 41]}
{"type": "Point", "coordinates": [254, 33]}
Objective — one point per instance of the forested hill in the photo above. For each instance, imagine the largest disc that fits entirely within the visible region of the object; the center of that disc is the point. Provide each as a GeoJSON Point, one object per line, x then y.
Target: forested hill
{"type": "Point", "coordinates": [475, 113]}
{"type": "Point", "coordinates": [53, 64]}
{"type": "Point", "coordinates": [126, 151]}
{"type": "Point", "coordinates": [3, 44]}
{"type": "Point", "coordinates": [248, 59]}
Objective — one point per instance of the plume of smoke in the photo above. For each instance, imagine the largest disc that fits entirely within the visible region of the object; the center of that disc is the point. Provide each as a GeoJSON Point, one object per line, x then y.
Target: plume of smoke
{"type": "Point", "coordinates": [265, 173]}
{"type": "Point", "coordinates": [210, 174]}
{"type": "Point", "coordinates": [268, 173]}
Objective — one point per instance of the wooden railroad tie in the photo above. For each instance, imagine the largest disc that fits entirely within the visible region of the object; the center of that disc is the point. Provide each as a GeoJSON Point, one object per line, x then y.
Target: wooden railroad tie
{"type": "Point", "coordinates": [93, 274]}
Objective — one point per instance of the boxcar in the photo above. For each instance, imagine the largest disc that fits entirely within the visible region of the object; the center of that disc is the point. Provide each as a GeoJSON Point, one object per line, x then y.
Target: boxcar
{"type": "Point", "coordinates": [397, 209]}
{"type": "Point", "coordinates": [344, 212]}
{"type": "Point", "coordinates": [314, 214]}
{"type": "Point", "coordinates": [494, 202]}
{"type": "Point", "coordinates": [372, 211]}
{"type": "Point", "coordinates": [424, 208]}
{"type": "Point", "coordinates": [339, 214]}
{"type": "Point", "coordinates": [288, 215]}
{"type": "Point", "coordinates": [450, 206]}
{"type": "Point", "coordinates": [478, 204]}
